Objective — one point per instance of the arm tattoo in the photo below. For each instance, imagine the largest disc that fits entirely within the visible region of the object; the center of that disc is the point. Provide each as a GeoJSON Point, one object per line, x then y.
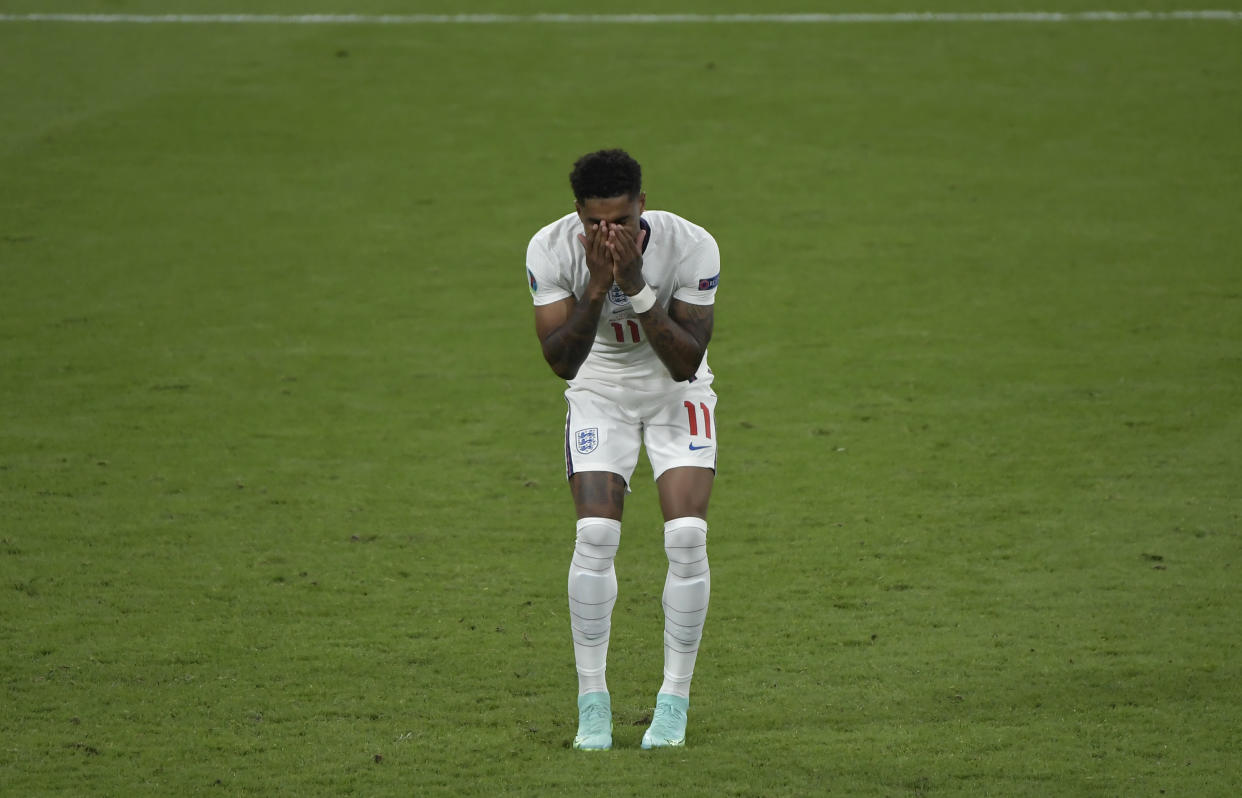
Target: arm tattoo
{"type": "Point", "coordinates": [568, 345]}
{"type": "Point", "coordinates": [679, 335]}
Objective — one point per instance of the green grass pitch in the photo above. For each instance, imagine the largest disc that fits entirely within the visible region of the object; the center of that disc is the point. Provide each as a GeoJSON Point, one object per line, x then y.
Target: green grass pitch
{"type": "Point", "coordinates": [282, 508]}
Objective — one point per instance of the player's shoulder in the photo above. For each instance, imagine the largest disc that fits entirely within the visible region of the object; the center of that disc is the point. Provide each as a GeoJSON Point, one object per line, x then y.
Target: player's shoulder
{"type": "Point", "coordinates": [675, 227]}
{"type": "Point", "coordinates": [558, 230]}
{"type": "Point", "coordinates": [677, 240]}
{"type": "Point", "coordinates": [552, 245]}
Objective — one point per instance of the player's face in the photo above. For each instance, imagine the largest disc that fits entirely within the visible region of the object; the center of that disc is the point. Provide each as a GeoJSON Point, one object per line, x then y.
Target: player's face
{"type": "Point", "coordinates": [622, 210]}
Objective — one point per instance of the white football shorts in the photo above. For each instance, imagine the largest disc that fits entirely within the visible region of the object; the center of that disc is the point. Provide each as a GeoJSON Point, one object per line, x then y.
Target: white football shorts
{"type": "Point", "coordinates": [606, 424]}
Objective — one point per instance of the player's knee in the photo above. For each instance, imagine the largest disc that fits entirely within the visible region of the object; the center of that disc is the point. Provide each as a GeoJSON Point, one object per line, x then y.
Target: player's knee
{"type": "Point", "coordinates": [596, 544]}
{"type": "Point", "coordinates": [685, 543]}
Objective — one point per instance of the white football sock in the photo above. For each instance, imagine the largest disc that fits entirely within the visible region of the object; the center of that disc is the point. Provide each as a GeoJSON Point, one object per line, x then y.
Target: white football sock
{"type": "Point", "coordinates": [592, 594]}
{"type": "Point", "coordinates": [686, 591]}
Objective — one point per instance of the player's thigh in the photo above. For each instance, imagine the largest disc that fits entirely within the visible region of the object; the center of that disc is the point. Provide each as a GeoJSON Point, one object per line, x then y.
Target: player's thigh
{"type": "Point", "coordinates": [598, 494]}
{"type": "Point", "coordinates": [685, 491]}
{"type": "Point", "coordinates": [681, 430]}
{"type": "Point", "coordinates": [601, 438]}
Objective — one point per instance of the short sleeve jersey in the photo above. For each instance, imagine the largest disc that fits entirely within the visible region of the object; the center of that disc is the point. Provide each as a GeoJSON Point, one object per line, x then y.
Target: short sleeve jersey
{"type": "Point", "coordinates": [680, 261]}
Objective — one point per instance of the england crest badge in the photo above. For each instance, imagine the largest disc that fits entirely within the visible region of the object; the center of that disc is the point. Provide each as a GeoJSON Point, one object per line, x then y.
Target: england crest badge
{"type": "Point", "coordinates": [617, 297]}
{"type": "Point", "coordinates": [587, 440]}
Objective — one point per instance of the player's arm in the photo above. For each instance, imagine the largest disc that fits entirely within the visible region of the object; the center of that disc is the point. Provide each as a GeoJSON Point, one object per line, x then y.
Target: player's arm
{"type": "Point", "coordinates": [566, 328]}
{"type": "Point", "coordinates": [678, 335]}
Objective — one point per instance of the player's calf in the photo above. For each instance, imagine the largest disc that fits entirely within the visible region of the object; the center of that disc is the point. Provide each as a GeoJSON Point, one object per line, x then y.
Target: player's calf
{"type": "Point", "coordinates": [592, 595]}
{"type": "Point", "coordinates": [687, 591]}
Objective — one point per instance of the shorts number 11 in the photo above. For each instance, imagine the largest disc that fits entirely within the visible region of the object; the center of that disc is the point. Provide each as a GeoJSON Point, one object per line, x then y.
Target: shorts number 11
{"type": "Point", "coordinates": [691, 411]}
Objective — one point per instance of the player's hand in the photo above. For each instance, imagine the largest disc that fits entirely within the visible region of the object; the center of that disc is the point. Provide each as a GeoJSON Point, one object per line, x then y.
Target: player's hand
{"type": "Point", "coordinates": [627, 257]}
{"type": "Point", "coordinates": [599, 257]}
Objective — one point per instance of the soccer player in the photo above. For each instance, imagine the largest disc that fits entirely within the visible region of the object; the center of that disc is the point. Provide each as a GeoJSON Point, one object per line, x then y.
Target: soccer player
{"type": "Point", "coordinates": [623, 310]}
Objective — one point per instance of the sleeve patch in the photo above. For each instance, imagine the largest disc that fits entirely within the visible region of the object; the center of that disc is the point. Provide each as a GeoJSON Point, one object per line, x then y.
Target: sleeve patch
{"type": "Point", "coordinates": [708, 283]}
{"type": "Point", "coordinates": [534, 284]}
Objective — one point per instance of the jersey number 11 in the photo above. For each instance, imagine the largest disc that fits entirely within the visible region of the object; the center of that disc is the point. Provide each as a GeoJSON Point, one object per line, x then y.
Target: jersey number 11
{"type": "Point", "coordinates": [635, 331]}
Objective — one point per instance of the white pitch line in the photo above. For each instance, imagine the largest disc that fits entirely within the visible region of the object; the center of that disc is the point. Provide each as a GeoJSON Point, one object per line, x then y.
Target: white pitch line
{"type": "Point", "coordinates": [614, 19]}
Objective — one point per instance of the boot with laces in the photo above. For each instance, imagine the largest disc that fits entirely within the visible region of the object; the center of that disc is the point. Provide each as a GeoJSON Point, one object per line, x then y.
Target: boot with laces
{"type": "Point", "coordinates": [594, 722]}
{"type": "Point", "coordinates": [668, 723]}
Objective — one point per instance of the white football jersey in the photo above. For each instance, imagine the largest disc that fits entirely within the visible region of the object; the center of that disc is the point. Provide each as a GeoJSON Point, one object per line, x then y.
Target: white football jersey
{"type": "Point", "coordinates": [680, 260]}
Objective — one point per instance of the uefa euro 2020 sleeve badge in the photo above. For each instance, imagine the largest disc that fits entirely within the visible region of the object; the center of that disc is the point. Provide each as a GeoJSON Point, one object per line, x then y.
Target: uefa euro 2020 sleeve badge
{"type": "Point", "coordinates": [587, 440]}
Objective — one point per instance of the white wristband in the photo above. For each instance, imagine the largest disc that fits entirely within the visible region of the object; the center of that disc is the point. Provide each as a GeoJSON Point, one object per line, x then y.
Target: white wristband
{"type": "Point", "coordinates": [644, 300]}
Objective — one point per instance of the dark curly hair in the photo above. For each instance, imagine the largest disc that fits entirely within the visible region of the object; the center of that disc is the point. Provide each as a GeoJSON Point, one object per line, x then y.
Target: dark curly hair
{"type": "Point", "coordinates": [605, 174]}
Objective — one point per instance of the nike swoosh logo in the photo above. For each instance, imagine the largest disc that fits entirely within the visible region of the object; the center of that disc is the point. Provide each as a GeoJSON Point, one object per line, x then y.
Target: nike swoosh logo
{"type": "Point", "coordinates": [694, 448]}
